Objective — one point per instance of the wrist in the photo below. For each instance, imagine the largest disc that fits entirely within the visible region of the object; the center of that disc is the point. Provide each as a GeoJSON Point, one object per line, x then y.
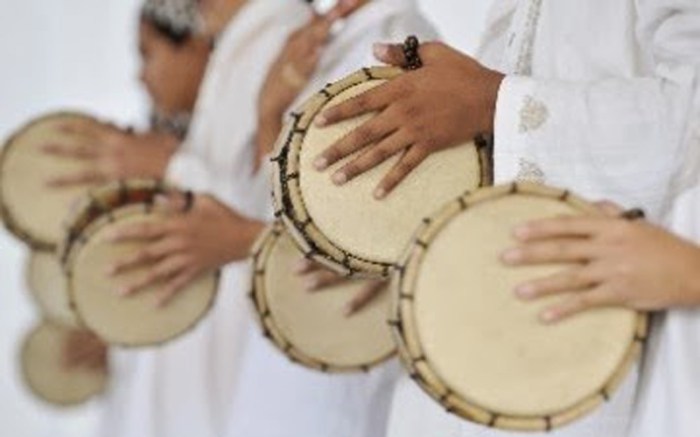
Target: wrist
{"type": "Point", "coordinates": [692, 282]}
{"type": "Point", "coordinates": [491, 86]}
{"type": "Point", "coordinates": [243, 236]}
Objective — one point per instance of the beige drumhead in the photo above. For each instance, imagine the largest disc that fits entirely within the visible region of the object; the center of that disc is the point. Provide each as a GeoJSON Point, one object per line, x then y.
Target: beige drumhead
{"type": "Point", "coordinates": [30, 210]}
{"type": "Point", "coordinates": [342, 225]}
{"type": "Point", "coordinates": [128, 321]}
{"type": "Point", "coordinates": [311, 328]}
{"type": "Point", "coordinates": [478, 349]}
{"type": "Point", "coordinates": [48, 286]}
{"type": "Point", "coordinates": [45, 375]}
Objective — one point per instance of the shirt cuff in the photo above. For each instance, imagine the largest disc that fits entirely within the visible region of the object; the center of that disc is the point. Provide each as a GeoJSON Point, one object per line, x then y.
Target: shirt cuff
{"type": "Point", "coordinates": [186, 171]}
{"type": "Point", "coordinates": [509, 137]}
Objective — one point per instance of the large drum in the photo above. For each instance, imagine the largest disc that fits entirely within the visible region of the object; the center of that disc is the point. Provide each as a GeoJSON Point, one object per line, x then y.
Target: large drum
{"type": "Point", "coordinates": [46, 374]}
{"type": "Point", "coordinates": [87, 253]}
{"type": "Point", "coordinates": [48, 287]}
{"type": "Point", "coordinates": [312, 328]}
{"type": "Point", "coordinates": [30, 209]}
{"type": "Point", "coordinates": [344, 227]}
{"type": "Point", "coordinates": [479, 350]}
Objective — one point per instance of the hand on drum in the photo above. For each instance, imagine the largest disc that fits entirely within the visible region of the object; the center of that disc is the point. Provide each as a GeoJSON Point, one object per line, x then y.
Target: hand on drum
{"type": "Point", "coordinates": [292, 71]}
{"type": "Point", "coordinates": [113, 154]}
{"type": "Point", "coordinates": [624, 263]}
{"type": "Point", "coordinates": [200, 235]}
{"type": "Point", "coordinates": [317, 278]}
{"type": "Point", "coordinates": [447, 102]}
{"type": "Point", "coordinates": [84, 350]}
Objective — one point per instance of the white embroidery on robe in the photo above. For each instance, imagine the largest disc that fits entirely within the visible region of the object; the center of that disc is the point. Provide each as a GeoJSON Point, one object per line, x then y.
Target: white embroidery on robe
{"type": "Point", "coordinates": [533, 114]}
{"type": "Point", "coordinates": [529, 172]}
{"type": "Point", "coordinates": [524, 63]}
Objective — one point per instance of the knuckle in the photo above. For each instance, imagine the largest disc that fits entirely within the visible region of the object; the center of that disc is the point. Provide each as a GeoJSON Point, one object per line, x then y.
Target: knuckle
{"type": "Point", "coordinates": [361, 102]}
{"type": "Point", "coordinates": [351, 169]}
{"type": "Point", "coordinates": [378, 154]}
{"type": "Point", "coordinates": [365, 133]}
{"type": "Point", "coordinates": [404, 166]}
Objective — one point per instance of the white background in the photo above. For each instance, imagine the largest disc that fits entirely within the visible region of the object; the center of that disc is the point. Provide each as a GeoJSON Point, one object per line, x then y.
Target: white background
{"type": "Point", "coordinates": [80, 54]}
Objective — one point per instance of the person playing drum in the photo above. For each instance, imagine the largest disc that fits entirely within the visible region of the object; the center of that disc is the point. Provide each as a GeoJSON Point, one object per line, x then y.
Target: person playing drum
{"type": "Point", "coordinates": [173, 61]}
{"type": "Point", "coordinates": [211, 234]}
{"type": "Point", "coordinates": [174, 57]}
{"type": "Point", "coordinates": [596, 119]}
{"type": "Point", "coordinates": [219, 157]}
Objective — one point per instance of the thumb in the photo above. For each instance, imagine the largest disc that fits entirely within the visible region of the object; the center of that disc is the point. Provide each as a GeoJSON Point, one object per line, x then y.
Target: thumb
{"type": "Point", "coordinates": [174, 202]}
{"type": "Point", "coordinates": [391, 54]}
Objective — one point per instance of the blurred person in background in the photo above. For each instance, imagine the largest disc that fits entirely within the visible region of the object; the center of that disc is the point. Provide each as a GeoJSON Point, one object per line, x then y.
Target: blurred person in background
{"type": "Point", "coordinates": [173, 60]}
{"type": "Point", "coordinates": [185, 387]}
{"type": "Point", "coordinates": [271, 396]}
{"type": "Point", "coordinates": [612, 120]}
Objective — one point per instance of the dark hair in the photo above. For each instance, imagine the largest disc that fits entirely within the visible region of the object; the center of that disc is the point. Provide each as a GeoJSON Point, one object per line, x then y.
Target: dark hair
{"type": "Point", "coordinates": [177, 36]}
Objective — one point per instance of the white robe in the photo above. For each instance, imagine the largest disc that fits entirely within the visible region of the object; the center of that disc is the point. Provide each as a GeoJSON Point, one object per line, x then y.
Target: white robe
{"type": "Point", "coordinates": [669, 393]}
{"type": "Point", "coordinates": [597, 99]}
{"type": "Point", "coordinates": [185, 387]}
{"type": "Point", "coordinates": [280, 399]}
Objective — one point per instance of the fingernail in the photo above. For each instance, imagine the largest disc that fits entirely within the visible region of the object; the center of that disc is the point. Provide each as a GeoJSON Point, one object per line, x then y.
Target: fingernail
{"type": "Point", "coordinates": [526, 291]}
{"type": "Point", "coordinates": [123, 291]}
{"type": "Point", "coordinates": [321, 163]}
{"type": "Point", "coordinates": [512, 256]}
{"type": "Point", "coordinates": [349, 310]}
{"type": "Point", "coordinates": [340, 178]}
{"type": "Point", "coordinates": [549, 316]}
{"type": "Point", "coordinates": [111, 270]}
{"type": "Point", "coordinates": [379, 193]}
{"type": "Point", "coordinates": [321, 120]}
{"type": "Point", "coordinates": [380, 50]}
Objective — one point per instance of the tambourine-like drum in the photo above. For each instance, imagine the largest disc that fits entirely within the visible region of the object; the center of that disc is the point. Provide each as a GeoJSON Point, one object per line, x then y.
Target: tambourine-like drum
{"type": "Point", "coordinates": [30, 209]}
{"type": "Point", "coordinates": [482, 352]}
{"type": "Point", "coordinates": [344, 227]}
{"type": "Point", "coordinates": [87, 254]}
{"type": "Point", "coordinates": [48, 287]}
{"type": "Point", "coordinates": [312, 328]}
{"type": "Point", "coordinates": [44, 372]}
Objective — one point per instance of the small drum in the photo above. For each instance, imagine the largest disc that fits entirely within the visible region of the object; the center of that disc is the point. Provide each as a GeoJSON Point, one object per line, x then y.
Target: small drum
{"type": "Point", "coordinates": [312, 328]}
{"type": "Point", "coordinates": [47, 377]}
{"type": "Point", "coordinates": [30, 209]}
{"type": "Point", "coordinates": [344, 227]}
{"type": "Point", "coordinates": [478, 349]}
{"type": "Point", "coordinates": [48, 286]}
{"type": "Point", "coordinates": [87, 253]}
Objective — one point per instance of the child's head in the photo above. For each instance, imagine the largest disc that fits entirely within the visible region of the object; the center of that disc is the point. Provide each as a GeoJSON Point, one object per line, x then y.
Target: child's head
{"type": "Point", "coordinates": [173, 53]}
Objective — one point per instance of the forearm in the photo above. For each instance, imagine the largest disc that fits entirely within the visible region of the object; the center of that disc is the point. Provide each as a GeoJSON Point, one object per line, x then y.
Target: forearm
{"type": "Point", "coordinates": [269, 128]}
{"type": "Point", "coordinates": [240, 239]}
{"type": "Point", "coordinates": [688, 276]}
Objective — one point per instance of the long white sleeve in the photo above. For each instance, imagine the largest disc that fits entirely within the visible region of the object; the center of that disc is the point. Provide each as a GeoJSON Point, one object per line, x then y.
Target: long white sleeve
{"type": "Point", "coordinates": [619, 137]}
{"type": "Point", "coordinates": [187, 170]}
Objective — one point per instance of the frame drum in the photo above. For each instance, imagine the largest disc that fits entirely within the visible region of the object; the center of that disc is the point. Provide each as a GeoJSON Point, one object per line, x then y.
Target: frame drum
{"type": "Point", "coordinates": [46, 376]}
{"type": "Point", "coordinates": [30, 210]}
{"type": "Point", "coordinates": [48, 286]}
{"type": "Point", "coordinates": [340, 226]}
{"type": "Point", "coordinates": [312, 328]}
{"type": "Point", "coordinates": [479, 350]}
{"type": "Point", "coordinates": [87, 253]}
